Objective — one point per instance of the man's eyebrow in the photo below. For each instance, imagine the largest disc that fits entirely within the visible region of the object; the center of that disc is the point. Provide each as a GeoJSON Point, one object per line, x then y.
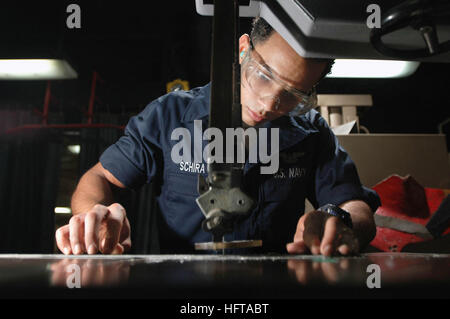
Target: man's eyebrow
{"type": "Point", "coordinates": [275, 74]}
{"type": "Point", "coordinates": [269, 69]}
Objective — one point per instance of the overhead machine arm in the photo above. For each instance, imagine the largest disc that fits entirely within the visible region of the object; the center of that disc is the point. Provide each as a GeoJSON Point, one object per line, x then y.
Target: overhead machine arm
{"type": "Point", "coordinates": [221, 199]}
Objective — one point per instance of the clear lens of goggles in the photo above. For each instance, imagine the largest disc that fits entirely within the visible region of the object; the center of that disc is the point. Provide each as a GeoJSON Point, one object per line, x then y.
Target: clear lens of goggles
{"type": "Point", "coordinates": [305, 106]}
{"type": "Point", "coordinates": [262, 83]}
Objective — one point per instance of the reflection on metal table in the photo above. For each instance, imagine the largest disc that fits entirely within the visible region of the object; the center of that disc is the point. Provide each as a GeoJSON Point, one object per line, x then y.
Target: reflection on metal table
{"type": "Point", "coordinates": [225, 276]}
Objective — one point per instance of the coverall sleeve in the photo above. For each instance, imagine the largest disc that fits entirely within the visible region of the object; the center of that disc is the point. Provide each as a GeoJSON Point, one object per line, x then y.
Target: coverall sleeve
{"type": "Point", "coordinates": [135, 158]}
{"type": "Point", "coordinates": [336, 178]}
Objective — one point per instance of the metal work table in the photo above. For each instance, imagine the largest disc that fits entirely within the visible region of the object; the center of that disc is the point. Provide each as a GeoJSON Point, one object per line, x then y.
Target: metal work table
{"type": "Point", "coordinates": [224, 276]}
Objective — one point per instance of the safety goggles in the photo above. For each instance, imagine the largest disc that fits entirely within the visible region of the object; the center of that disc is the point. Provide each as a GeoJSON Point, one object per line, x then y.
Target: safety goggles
{"type": "Point", "coordinates": [262, 82]}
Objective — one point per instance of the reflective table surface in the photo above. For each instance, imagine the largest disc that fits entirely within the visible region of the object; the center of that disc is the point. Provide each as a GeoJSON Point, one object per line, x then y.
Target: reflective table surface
{"type": "Point", "coordinates": [392, 275]}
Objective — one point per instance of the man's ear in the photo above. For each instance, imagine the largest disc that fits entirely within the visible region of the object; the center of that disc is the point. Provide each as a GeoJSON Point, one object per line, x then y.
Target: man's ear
{"type": "Point", "coordinates": [244, 46]}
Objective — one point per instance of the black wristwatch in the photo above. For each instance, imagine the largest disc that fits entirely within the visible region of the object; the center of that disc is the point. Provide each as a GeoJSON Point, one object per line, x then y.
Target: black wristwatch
{"type": "Point", "coordinates": [338, 212]}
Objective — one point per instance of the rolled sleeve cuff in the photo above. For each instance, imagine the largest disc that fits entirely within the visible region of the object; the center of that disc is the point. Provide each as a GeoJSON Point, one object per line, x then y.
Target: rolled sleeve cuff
{"type": "Point", "coordinates": [120, 166]}
{"type": "Point", "coordinates": [369, 196]}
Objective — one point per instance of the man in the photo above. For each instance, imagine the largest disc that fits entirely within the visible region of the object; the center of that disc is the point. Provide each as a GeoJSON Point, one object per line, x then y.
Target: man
{"type": "Point", "coordinates": [276, 85]}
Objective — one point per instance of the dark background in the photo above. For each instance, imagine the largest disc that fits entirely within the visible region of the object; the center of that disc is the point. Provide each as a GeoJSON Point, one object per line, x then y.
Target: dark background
{"type": "Point", "coordinates": [136, 47]}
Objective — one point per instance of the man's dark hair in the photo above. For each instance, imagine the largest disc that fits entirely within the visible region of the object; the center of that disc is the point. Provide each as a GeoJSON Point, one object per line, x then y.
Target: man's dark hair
{"type": "Point", "coordinates": [261, 31]}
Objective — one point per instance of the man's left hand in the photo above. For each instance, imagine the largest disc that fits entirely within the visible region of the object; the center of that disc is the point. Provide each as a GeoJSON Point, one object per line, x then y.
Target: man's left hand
{"type": "Point", "coordinates": [321, 233]}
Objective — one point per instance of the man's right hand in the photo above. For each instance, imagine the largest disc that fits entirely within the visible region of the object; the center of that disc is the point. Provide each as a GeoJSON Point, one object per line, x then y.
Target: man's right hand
{"type": "Point", "coordinates": [103, 228]}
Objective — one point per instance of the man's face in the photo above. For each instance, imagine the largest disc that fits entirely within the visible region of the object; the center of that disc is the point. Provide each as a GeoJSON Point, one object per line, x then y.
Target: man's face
{"type": "Point", "coordinates": [286, 66]}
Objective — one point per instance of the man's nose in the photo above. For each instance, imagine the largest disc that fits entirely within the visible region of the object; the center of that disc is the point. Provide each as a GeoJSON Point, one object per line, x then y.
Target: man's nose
{"type": "Point", "coordinates": [270, 102]}
{"type": "Point", "coordinates": [270, 97]}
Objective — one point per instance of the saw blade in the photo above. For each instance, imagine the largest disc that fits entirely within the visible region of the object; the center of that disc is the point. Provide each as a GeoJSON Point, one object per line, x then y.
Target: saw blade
{"type": "Point", "coordinates": [228, 244]}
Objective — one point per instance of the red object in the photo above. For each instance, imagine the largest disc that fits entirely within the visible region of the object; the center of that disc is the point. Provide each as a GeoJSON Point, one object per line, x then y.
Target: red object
{"type": "Point", "coordinates": [48, 98]}
{"type": "Point", "coordinates": [404, 198]}
{"type": "Point", "coordinates": [62, 126]}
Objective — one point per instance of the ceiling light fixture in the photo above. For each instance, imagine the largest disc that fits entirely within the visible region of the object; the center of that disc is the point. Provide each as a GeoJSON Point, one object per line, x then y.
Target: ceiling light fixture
{"type": "Point", "coordinates": [36, 69]}
{"type": "Point", "coordinates": [354, 68]}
